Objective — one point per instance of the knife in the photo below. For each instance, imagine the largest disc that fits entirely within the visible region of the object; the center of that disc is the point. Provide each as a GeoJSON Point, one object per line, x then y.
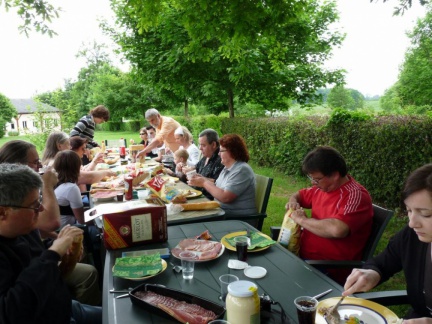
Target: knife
{"type": "Point", "coordinates": [322, 294]}
{"type": "Point", "coordinates": [122, 296]}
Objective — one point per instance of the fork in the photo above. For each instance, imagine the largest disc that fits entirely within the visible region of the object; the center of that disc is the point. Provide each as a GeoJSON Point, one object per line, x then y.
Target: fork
{"type": "Point", "coordinates": [333, 314]}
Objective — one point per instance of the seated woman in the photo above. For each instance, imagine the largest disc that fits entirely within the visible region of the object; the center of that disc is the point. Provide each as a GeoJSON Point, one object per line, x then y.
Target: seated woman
{"type": "Point", "coordinates": [56, 142]}
{"type": "Point", "coordinates": [185, 139]}
{"type": "Point", "coordinates": [79, 146]}
{"type": "Point", "coordinates": [68, 165]}
{"type": "Point", "coordinates": [144, 137]}
{"type": "Point", "coordinates": [409, 250]}
{"type": "Point", "coordinates": [235, 186]}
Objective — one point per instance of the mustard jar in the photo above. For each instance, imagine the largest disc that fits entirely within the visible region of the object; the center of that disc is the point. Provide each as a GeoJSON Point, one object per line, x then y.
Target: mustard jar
{"type": "Point", "coordinates": [243, 303]}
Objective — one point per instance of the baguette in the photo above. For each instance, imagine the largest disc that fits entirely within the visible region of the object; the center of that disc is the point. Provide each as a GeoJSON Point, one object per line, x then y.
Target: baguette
{"type": "Point", "coordinates": [200, 205]}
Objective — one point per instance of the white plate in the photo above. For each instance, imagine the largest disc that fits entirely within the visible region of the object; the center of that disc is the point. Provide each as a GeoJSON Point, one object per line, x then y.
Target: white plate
{"type": "Point", "coordinates": [199, 253]}
{"type": "Point", "coordinates": [255, 272]}
{"type": "Point", "coordinates": [368, 311]}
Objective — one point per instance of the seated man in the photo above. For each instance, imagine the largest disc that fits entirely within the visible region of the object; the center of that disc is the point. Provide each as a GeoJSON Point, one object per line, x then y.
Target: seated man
{"type": "Point", "coordinates": [341, 211]}
{"type": "Point", "coordinates": [31, 286]}
{"type": "Point", "coordinates": [210, 165]}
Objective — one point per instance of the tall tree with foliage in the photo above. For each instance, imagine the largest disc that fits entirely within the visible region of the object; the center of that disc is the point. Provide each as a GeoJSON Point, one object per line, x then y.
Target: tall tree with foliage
{"type": "Point", "coordinates": [339, 97]}
{"type": "Point", "coordinates": [252, 50]}
{"type": "Point", "coordinates": [415, 79]}
{"type": "Point", "coordinates": [7, 112]}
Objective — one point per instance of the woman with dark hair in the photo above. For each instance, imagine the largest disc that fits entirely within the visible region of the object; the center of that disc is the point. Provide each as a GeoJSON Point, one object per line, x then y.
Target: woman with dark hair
{"type": "Point", "coordinates": [85, 127]}
{"type": "Point", "coordinates": [235, 186]}
{"type": "Point", "coordinates": [78, 145]}
{"type": "Point", "coordinates": [409, 250]}
{"type": "Point", "coordinates": [68, 165]}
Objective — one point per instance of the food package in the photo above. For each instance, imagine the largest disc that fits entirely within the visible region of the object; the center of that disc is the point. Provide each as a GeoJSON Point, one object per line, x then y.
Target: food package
{"type": "Point", "coordinates": [289, 235]}
{"type": "Point", "coordinates": [157, 170]}
{"type": "Point", "coordinates": [156, 185]}
{"type": "Point", "coordinates": [69, 261]}
{"type": "Point", "coordinates": [137, 222]}
{"type": "Point", "coordinates": [133, 151]}
{"type": "Point", "coordinates": [93, 152]}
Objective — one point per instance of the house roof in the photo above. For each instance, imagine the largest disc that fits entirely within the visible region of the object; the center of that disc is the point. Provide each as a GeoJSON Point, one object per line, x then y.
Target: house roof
{"type": "Point", "coordinates": [29, 106]}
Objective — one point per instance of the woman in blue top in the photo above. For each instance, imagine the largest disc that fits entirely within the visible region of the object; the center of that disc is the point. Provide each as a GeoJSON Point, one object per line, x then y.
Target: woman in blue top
{"type": "Point", "coordinates": [235, 186]}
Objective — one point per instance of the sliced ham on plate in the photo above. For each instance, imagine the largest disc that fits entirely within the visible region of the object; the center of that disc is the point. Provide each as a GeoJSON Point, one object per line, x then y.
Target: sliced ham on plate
{"type": "Point", "coordinates": [206, 250]}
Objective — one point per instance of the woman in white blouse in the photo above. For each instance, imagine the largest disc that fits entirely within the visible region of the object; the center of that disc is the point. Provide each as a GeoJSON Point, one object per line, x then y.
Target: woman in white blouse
{"type": "Point", "coordinates": [185, 139]}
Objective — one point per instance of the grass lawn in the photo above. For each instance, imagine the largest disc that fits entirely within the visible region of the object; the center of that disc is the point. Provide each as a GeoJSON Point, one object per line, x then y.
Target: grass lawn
{"type": "Point", "coordinates": [283, 187]}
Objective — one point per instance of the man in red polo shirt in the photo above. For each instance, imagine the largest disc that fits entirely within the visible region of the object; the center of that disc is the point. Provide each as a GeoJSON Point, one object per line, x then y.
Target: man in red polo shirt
{"type": "Point", "coordinates": [341, 211]}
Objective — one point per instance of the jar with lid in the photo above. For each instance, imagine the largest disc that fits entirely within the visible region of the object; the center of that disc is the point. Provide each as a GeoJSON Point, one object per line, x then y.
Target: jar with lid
{"type": "Point", "coordinates": [243, 303]}
{"type": "Point", "coordinates": [128, 188]}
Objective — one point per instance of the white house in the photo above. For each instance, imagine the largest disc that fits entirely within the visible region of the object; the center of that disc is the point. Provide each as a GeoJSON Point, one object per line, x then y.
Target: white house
{"type": "Point", "coordinates": [33, 117]}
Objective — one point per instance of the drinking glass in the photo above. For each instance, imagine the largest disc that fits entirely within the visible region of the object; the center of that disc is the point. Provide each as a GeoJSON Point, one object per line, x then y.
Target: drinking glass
{"type": "Point", "coordinates": [306, 309]}
{"type": "Point", "coordinates": [225, 280]}
{"type": "Point", "coordinates": [188, 263]}
{"type": "Point", "coordinates": [241, 243]}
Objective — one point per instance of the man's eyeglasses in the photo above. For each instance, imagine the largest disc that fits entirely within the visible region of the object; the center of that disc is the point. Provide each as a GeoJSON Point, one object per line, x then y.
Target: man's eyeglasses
{"type": "Point", "coordinates": [36, 162]}
{"type": "Point", "coordinates": [143, 133]}
{"type": "Point", "coordinates": [315, 180]}
{"type": "Point", "coordinates": [36, 209]}
{"type": "Point", "coordinates": [221, 151]}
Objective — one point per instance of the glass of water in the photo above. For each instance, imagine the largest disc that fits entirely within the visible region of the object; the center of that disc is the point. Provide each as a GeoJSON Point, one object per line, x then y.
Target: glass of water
{"type": "Point", "coordinates": [188, 259]}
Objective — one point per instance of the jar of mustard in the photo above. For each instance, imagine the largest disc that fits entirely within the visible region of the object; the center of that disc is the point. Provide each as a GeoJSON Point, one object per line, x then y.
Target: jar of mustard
{"type": "Point", "coordinates": [243, 303]}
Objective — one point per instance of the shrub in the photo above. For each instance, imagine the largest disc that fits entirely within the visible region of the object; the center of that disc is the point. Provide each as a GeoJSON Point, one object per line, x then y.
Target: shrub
{"type": "Point", "coordinates": [13, 133]}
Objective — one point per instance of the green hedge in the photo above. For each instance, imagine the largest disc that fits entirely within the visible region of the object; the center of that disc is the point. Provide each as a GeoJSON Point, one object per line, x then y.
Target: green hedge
{"type": "Point", "coordinates": [380, 151]}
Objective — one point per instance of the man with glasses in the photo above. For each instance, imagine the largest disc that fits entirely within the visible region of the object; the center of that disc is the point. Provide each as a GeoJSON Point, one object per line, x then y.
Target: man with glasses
{"type": "Point", "coordinates": [32, 289]}
{"type": "Point", "coordinates": [341, 210]}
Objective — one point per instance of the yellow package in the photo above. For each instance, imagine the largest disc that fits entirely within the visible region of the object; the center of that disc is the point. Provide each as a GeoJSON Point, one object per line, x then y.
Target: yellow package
{"type": "Point", "coordinates": [289, 235]}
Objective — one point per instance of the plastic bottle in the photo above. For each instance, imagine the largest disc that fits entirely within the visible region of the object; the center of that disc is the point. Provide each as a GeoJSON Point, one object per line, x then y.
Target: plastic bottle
{"type": "Point", "coordinates": [128, 187]}
{"type": "Point", "coordinates": [122, 148]}
{"type": "Point", "coordinates": [243, 303]}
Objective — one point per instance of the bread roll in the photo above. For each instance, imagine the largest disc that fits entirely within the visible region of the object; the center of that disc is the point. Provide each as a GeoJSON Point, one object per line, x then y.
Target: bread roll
{"type": "Point", "coordinates": [69, 261]}
{"type": "Point", "coordinates": [200, 205]}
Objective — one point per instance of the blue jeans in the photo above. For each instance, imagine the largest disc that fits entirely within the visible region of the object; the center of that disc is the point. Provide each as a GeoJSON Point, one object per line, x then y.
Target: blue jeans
{"type": "Point", "coordinates": [85, 314]}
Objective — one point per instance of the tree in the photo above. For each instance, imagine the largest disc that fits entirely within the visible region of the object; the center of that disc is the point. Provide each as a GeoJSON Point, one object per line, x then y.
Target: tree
{"type": "Point", "coordinates": [34, 13]}
{"type": "Point", "coordinates": [404, 5]}
{"type": "Point", "coordinates": [390, 101]}
{"type": "Point", "coordinates": [339, 97]}
{"type": "Point", "coordinates": [415, 78]}
{"type": "Point", "coordinates": [262, 52]}
{"type": "Point", "coordinates": [7, 112]}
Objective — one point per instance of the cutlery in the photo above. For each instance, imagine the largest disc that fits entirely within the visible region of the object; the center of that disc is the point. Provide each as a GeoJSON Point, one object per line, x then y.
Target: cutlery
{"type": "Point", "coordinates": [120, 291]}
{"type": "Point", "coordinates": [333, 314]}
{"type": "Point", "coordinates": [176, 268]}
{"type": "Point", "coordinates": [322, 294]}
{"type": "Point", "coordinates": [122, 296]}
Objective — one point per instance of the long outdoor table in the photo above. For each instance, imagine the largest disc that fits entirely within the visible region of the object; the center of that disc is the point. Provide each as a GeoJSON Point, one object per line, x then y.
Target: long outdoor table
{"type": "Point", "coordinates": [184, 217]}
{"type": "Point", "coordinates": [287, 276]}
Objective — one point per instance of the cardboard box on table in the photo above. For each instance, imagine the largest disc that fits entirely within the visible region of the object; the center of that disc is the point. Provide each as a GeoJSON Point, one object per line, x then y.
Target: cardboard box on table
{"type": "Point", "coordinates": [132, 223]}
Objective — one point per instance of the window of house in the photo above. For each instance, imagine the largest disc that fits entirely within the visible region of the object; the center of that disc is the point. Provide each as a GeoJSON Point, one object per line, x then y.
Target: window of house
{"type": "Point", "coordinates": [12, 126]}
{"type": "Point", "coordinates": [24, 124]}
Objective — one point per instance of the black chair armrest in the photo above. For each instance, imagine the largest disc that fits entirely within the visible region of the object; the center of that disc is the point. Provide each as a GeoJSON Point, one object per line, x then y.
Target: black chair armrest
{"type": "Point", "coordinates": [274, 232]}
{"type": "Point", "coordinates": [336, 263]}
{"type": "Point", "coordinates": [386, 298]}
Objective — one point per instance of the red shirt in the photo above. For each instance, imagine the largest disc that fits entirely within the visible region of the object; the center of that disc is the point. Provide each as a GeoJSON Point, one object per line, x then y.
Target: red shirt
{"type": "Point", "coordinates": [350, 203]}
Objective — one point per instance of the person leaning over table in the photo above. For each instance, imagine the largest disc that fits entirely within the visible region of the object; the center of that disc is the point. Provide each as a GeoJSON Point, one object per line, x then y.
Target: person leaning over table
{"type": "Point", "coordinates": [210, 165]}
{"type": "Point", "coordinates": [409, 250]}
{"type": "Point", "coordinates": [31, 286]}
{"type": "Point", "coordinates": [85, 127]}
{"type": "Point", "coordinates": [341, 211]}
{"type": "Point", "coordinates": [83, 279]}
{"type": "Point", "coordinates": [165, 128]}
{"type": "Point", "coordinates": [235, 186]}
{"type": "Point", "coordinates": [185, 139]}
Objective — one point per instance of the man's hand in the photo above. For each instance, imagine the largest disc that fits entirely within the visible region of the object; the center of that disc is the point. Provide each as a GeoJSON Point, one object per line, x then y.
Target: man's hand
{"type": "Point", "coordinates": [361, 280]}
{"type": "Point", "coordinates": [294, 205]}
{"type": "Point", "coordinates": [141, 153]}
{"type": "Point", "coordinates": [197, 180]}
{"type": "Point", "coordinates": [65, 238]}
{"type": "Point", "coordinates": [298, 215]}
{"type": "Point", "coordinates": [49, 178]}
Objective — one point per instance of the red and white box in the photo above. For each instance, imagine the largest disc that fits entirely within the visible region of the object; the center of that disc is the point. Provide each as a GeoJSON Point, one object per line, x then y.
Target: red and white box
{"type": "Point", "coordinates": [133, 223]}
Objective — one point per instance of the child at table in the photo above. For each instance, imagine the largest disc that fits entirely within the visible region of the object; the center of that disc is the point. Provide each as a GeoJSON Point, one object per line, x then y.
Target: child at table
{"type": "Point", "coordinates": [180, 159]}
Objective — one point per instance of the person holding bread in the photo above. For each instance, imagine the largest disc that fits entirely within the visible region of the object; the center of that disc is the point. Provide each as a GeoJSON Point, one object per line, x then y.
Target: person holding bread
{"type": "Point", "coordinates": [32, 289]}
{"type": "Point", "coordinates": [234, 189]}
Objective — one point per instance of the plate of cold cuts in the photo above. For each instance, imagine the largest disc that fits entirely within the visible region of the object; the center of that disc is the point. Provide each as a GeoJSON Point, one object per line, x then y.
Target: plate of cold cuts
{"type": "Point", "coordinates": [205, 250]}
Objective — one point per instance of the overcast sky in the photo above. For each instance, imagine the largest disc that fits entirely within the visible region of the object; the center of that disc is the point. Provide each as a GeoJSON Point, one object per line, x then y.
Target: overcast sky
{"type": "Point", "coordinates": [371, 53]}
